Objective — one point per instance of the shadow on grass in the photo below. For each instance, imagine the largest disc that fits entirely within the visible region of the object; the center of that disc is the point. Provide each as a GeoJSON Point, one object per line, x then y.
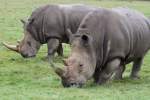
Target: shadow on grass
{"type": "Point", "coordinates": [125, 81]}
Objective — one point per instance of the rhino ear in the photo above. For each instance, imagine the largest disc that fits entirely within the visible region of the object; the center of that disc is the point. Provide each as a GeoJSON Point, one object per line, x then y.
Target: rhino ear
{"type": "Point", "coordinates": [31, 21]}
{"type": "Point", "coordinates": [23, 21]}
{"type": "Point", "coordinates": [85, 39]}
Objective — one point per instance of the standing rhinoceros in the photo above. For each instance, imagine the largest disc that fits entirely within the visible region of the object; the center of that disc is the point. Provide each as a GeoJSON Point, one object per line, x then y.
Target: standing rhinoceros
{"type": "Point", "coordinates": [104, 43]}
{"type": "Point", "coordinates": [48, 24]}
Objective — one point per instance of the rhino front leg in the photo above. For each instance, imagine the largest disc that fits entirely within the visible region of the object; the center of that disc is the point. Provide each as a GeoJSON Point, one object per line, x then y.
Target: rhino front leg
{"type": "Point", "coordinates": [107, 72]}
{"type": "Point", "coordinates": [136, 68]}
{"type": "Point", "coordinates": [60, 50]}
{"type": "Point", "coordinates": [53, 45]}
{"type": "Point", "coordinates": [119, 72]}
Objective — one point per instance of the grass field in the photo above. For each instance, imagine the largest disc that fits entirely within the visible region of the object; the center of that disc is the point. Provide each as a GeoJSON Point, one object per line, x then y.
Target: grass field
{"type": "Point", "coordinates": [33, 79]}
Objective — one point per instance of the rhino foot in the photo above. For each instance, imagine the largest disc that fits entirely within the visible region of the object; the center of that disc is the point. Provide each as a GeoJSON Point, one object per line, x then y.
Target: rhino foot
{"type": "Point", "coordinates": [101, 81]}
{"type": "Point", "coordinates": [48, 58]}
{"type": "Point", "coordinates": [134, 77]}
{"type": "Point", "coordinates": [118, 78]}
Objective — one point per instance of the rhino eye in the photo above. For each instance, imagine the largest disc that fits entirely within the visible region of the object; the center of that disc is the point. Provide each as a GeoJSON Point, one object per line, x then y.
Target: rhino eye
{"type": "Point", "coordinates": [81, 65]}
{"type": "Point", "coordinates": [80, 68]}
{"type": "Point", "coordinates": [29, 43]}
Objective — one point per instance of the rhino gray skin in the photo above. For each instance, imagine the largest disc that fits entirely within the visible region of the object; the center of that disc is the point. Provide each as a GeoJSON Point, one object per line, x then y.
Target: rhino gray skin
{"type": "Point", "coordinates": [48, 24]}
{"type": "Point", "coordinates": [104, 43]}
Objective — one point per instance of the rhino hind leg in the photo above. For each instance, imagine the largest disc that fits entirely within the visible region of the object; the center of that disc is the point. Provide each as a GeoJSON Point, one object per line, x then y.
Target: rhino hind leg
{"type": "Point", "coordinates": [107, 72]}
{"type": "Point", "coordinates": [119, 72]}
{"type": "Point", "coordinates": [136, 68]}
{"type": "Point", "coordinates": [60, 50]}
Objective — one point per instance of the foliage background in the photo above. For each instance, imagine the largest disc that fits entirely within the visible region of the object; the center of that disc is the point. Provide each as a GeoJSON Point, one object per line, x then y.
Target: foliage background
{"type": "Point", "coordinates": [33, 79]}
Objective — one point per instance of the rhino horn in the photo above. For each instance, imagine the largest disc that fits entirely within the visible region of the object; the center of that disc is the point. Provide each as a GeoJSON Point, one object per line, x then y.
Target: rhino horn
{"type": "Point", "coordinates": [18, 41]}
{"type": "Point", "coordinates": [60, 72]}
{"type": "Point", "coordinates": [11, 47]}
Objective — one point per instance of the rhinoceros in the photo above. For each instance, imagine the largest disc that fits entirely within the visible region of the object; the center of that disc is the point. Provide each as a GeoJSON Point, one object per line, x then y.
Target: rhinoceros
{"type": "Point", "coordinates": [106, 40]}
{"type": "Point", "coordinates": [48, 24]}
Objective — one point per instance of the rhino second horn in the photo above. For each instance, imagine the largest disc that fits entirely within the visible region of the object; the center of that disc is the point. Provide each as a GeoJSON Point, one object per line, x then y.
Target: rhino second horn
{"type": "Point", "coordinates": [11, 47]}
{"type": "Point", "coordinates": [18, 41]}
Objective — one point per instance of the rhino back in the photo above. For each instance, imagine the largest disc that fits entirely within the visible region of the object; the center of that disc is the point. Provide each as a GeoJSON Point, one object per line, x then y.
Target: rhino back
{"type": "Point", "coordinates": [140, 34]}
{"type": "Point", "coordinates": [51, 21]}
{"type": "Point", "coordinates": [74, 15]}
{"type": "Point", "coordinates": [35, 23]}
{"type": "Point", "coordinates": [117, 35]}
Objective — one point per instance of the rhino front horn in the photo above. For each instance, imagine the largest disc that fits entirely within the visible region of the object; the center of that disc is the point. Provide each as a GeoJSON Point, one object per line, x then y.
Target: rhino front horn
{"type": "Point", "coordinates": [60, 72]}
{"type": "Point", "coordinates": [11, 47]}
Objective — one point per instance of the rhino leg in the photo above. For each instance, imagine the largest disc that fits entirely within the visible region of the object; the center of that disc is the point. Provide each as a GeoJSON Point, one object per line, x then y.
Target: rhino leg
{"type": "Point", "coordinates": [60, 50]}
{"type": "Point", "coordinates": [53, 45]}
{"type": "Point", "coordinates": [119, 72]}
{"type": "Point", "coordinates": [96, 75]}
{"type": "Point", "coordinates": [107, 72]}
{"type": "Point", "coordinates": [136, 68]}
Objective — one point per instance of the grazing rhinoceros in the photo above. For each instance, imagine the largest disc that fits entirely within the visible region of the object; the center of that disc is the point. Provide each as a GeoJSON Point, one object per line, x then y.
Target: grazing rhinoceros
{"type": "Point", "coordinates": [48, 24]}
{"type": "Point", "coordinates": [104, 43]}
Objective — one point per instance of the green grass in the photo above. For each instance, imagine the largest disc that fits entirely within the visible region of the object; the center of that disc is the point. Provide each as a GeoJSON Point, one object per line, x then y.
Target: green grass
{"type": "Point", "coordinates": [34, 79]}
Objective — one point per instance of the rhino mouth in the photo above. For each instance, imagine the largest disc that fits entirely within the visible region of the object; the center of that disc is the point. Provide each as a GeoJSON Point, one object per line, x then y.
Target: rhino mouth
{"type": "Point", "coordinates": [72, 84]}
{"type": "Point", "coordinates": [27, 56]}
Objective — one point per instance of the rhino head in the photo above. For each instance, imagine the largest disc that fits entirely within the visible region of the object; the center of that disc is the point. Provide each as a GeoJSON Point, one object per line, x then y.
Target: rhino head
{"type": "Point", "coordinates": [80, 65]}
{"type": "Point", "coordinates": [28, 46]}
